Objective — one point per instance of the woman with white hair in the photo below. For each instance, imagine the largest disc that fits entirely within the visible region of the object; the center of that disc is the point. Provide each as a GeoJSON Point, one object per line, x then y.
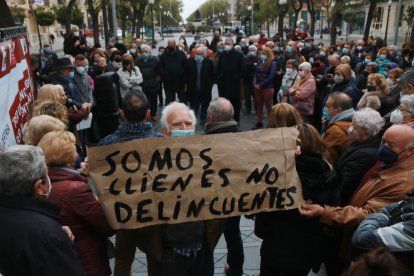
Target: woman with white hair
{"type": "Point", "coordinates": [302, 94]}
{"type": "Point", "coordinates": [361, 154]}
{"type": "Point", "coordinates": [405, 113]}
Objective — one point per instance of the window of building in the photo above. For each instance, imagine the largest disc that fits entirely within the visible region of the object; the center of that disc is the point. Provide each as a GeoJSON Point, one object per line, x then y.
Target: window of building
{"type": "Point", "coordinates": [378, 17]}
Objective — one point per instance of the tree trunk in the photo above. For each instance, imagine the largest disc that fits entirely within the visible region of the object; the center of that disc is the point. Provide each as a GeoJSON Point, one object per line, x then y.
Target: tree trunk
{"type": "Point", "coordinates": [105, 22]}
{"type": "Point", "coordinates": [95, 23]}
{"type": "Point", "coordinates": [295, 23]}
{"type": "Point", "coordinates": [312, 24]}
{"type": "Point", "coordinates": [140, 18]}
{"type": "Point", "coordinates": [333, 28]}
{"type": "Point", "coordinates": [412, 34]}
{"type": "Point", "coordinates": [268, 27]}
{"type": "Point", "coordinates": [123, 25]}
{"type": "Point", "coordinates": [68, 16]}
{"type": "Point", "coordinates": [110, 21]}
{"type": "Point", "coordinates": [370, 16]}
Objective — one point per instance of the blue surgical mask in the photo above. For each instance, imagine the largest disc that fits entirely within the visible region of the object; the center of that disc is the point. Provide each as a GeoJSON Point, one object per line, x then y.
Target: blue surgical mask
{"type": "Point", "coordinates": [307, 45]}
{"type": "Point", "coordinates": [252, 54]}
{"type": "Point", "coordinates": [220, 50]}
{"type": "Point", "coordinates": [345, 50]}
{"type": "Point", "coordinates": [243, 45]}
{"type": "Point", "coordinates": [387, 155]}
{"type": "Point", "coordinates": [325, 113]}
{"type": "Point", "coordinates": [288, 49]}
{"type": "Point", "coordinates": [382, 57]}
{"type": "Point", "coordinates": [412, 63]}
{"type": "Point", "coordinates": [263, 57]}
{"type": "Point", "coordinates": [367, 60]}
{"type": "Point", "coordinates": [182, 132]}
{"type": "Point", "coordinates": [120, 42]}
{"type": "Point", "coordinates": [72, 75]}
{"type": "Point", "coordinates": [132, 51]}
{"type": "Point", "coordinates": [338, 49]}
{"type": "Point", "coordinates": [144, 56]}
{"type": "Point", "coordinates": [277, 49]}
{"type": "Point", "coordinates": [198, 58]}
{"type": "Point", "coordinates": [322, 53]}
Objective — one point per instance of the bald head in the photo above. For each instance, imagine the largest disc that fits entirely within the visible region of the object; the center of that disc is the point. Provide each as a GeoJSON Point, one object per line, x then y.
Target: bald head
{"type": "Point", "coordinates": [220, 110]}
{"type": "Point", "coordinates": [399, 138]}
{"type": "Point", "coordinates": [200, 51]}
{"type": "Point", "coordinates": [171, 43]}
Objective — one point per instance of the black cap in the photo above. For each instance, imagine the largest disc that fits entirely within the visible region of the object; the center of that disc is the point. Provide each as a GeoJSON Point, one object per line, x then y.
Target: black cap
{"type": "Point", "coordinates": [63, 63]}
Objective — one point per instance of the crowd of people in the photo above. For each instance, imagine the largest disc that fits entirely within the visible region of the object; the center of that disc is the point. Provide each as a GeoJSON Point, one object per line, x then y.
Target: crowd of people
{"type": "Point", "coordinates": [352, 104]}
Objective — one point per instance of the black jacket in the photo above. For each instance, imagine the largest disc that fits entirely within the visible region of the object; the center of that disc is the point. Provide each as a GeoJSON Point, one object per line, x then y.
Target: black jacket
{"type": "Point", "coordinates": [149, 70]}
{"type": "Point", "coordinates": [69, 86]}
{"type": "Point", "coordinates": [291, 241]}
{"type": "Point", "coordinates": [172, 68]}
{"type": "Point", "coordinates": [32, 240]}
{"type": "Point", "coordinates": [69, 45]}
{"type": "Point", "coordinates": [348, 88]}
{"type": "Point", "coordinates": [357, 159]}
{"type": "Point", "coordinates": [230, 71]}
{"type": "Point", "coordinates": [206, 79]}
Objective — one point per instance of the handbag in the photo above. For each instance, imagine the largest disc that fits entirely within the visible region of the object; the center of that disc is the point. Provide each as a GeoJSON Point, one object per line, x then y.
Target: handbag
{"type": "Point", "coordinates": [303, 107]}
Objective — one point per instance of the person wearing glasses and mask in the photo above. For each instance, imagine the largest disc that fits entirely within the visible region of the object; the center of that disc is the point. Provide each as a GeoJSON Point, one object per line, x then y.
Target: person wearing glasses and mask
{"type": "Point", "coordinates": [130, 76]}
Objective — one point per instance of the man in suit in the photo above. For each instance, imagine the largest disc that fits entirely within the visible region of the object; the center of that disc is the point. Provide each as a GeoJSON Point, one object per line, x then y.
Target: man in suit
{"type": "Point", "coordinates": [199, 81]}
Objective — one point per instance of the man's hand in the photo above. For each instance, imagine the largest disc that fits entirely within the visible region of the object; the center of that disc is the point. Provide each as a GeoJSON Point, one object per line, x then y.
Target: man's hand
{"type": "Point", "coordinates": [77, 43]}
{"type": "Point", "coordinates": [86, 106]}
{"type": "Point", "coordinates": [68, 232]}
{"type": "Point", "coordinates": [309, 210]}
{"type": "Point", "coordinates": [84, 167]}
{"type": "Point", "coordinates": [257, 87]}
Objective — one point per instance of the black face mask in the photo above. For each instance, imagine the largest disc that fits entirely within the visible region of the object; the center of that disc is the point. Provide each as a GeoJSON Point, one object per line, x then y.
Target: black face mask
{"type": "Point", "coordinates": [118, 59]}
{"type": "Point", "coordinates": [371, 88]}
{"type": "Point", "coordinates": [126, 62]}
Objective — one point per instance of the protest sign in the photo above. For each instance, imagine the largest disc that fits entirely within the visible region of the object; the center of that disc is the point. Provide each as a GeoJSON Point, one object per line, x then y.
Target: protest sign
{"type": "Point", "coordinates": [179, 179]}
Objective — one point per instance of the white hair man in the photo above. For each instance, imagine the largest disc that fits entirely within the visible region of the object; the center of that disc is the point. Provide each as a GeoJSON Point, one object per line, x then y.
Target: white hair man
{"type": "Point", "coordinates": [32, 240]}
{"type": "Point", "coordinates": [74, 44]}
{"type": "Point", "coordinates": [179, 249]}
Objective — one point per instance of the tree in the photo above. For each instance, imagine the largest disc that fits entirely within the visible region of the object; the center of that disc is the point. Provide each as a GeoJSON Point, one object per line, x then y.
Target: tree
{"type": "Point", "coordinates": [78, 17]}
{"type": "Point", "coordinates": [409, 18]}
{"type": "Point", "coordinates": [45, 17]}
{"type": "Point", "coordinates": [94, 6]}
{"type": "Point", "coordinates": [66, 15]}
{"type": "Point", "coordinates": [266, 12]}
{"type": "Point", "coordinates": [332, 9]}
{"type": "Point", "coordinates": [349, 17]}
{"type": "Point", "coordinates": [311, 10]}
{"type": "Point", "coordinates": [297, 6]}
{"type": "Point", "coordinates": [370, 16]}
{"type": "Point", "coordinates": [17, 14]}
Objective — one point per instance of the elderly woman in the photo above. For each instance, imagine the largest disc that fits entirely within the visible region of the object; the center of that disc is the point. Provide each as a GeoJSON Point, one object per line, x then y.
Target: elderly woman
{"type": "Point", "coordinates": [292, 244]}
{"type": "Point", "coordinates": [79, 208]}
{"type": "Point", "coordinates": [377, 88]}
{"type": "Point", "coordinates": [52, 92]}
{"type": "Point", "coordinates": [129, 76]}
{"type": "Point", "coordinates": [404, 114]}
{"type": "Point", "coordinates": [263, 83]}
{"type": "Point", "coordinates": [302, 94]}
{"type": "Point", "coordinates": [39, 126]}
{"type": "Point", "coordinates": [290, 78]}
{"type": "Point", "coordinates": [383, 59]}
{"type": "Point", "coordinates": [343, 83]}
{"type": "Point", "coordinates": [32, 241]}
{"type": "Point", "coordinates": [361, 154]}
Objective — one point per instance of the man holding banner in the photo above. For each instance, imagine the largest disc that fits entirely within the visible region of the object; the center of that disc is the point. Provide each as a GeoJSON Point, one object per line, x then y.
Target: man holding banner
{"type": "Point", "coordinates": [171, 190]}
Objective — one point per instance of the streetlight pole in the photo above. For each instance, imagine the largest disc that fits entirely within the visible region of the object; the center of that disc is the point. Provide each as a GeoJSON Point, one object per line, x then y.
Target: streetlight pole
{"type": "Point", "coordinates": [34, 6]}
{"type": "Point", "coordinates": [252, 23]}
{"type": "Point", "coordinates": [397, 25]}
{"type": "Point", "coordinates": [151, 2]}
{"type": "Point", "coordinates": [389, 3]}
{"type": "Point", "coordinates": [282, 7]}
{"type": "Point", "coordinates": [114, 23]}
{"type": "Point", "coordinates": [320, 24]}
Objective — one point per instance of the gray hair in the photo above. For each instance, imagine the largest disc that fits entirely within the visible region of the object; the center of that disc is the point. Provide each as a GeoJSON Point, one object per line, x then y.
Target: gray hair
{"type": "Point", "coordinates": [252, 47]}
{"type": "Point", "coordinates": [305, 65]}
{"type": "Point", "coordinates": [406, 79]}
{"type": "Point", "coordinates": [20, 167]}
{"type": "Point", "coordinates": [221, 109]}
{"type": "Point", "coordinates": [370, 120]}
{"type": "Point", "coordinates": [375, 66]}
{"type": "Point", "coordinates": [145, 46]}
{"type": "Point", "coordinates": [220, 44]}
{"type": "Point", "coordinates": [409, 101]}
{"type": "Point", "coordinates": [229, 39]}
{"type": "Point", "coordinates": [172, 107]}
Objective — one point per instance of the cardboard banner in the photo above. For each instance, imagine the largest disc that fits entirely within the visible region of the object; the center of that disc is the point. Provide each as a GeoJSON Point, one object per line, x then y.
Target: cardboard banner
{"type": "Point", "coordinates": [17, 90]}
{"type": "Point", "coordinates": [179, 179]}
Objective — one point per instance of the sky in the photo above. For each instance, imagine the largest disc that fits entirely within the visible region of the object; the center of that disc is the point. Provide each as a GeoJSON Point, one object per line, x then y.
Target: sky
{"type": "Point", "coordinates": [190, 6]}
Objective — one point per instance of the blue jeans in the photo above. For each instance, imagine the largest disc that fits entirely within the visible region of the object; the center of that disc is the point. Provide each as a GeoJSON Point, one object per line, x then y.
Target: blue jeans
{"type": "Point", "coordinates": [195, 105]}
{"type": "Point", "coordinates": [235, 253]}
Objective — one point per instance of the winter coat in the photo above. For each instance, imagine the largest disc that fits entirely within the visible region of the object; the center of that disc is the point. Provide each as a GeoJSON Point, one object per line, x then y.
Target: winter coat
{"type": "Point", "coordinates": [150, 71]}
{"type": "Point", "coordinates": [384, 187]}
{"type": "Point", "coordinates": [32, 240]}
{"type": "Point", "coordinates": [371, 99]}
{"type": "Point", "coordinates": [206, 79]}
{"type": "Point", "coordinates": [85, 217]}
{"type": "Point", "coordinates": [135, 78]}
{"type": "Point", "coordinates": [172, 68]}
{"type": "Point", "coordinates": [348, 88]}
{"type": "Point", "coordinates": [291, 241]}
{"type": "Point", "coordinates": [357, 159]}
{"type": "Point", "coordinates": [264, 76]}
{"type": "Point", "coordinates": [69, 47]}
{"type": "Point", "coordinates": [303, 95]}
{"type": "Point", "coordinates": [335, 135]}
{"type": "Point", "coordinates": [69, 86]}
{"type": "Point", "coordinates": [230, 71]}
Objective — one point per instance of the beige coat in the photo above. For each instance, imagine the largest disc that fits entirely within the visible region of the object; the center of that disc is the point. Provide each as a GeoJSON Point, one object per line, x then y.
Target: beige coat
{"type": "Point", "coordinates": [371, 99]}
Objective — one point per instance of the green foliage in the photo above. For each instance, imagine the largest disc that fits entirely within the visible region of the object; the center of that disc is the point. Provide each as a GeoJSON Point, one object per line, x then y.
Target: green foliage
{"type": "Point", "coordinates": [203, 28]}
{"type": "Point", "coordinates": [190, 28]}
{"type": "Point", "coordinates": [176, 9]}
{"type": "Point", "coordinates": [206, 10]}
{"type": "Point", "coordinates": [45, 17]}
{"type": "Point", "coordinates": [409, 16]}
{"type": "Point", "coordinates": [349, 16]}
{"type": "Point", "coordinates": [18, 14]}
{"type": "Point", "coordinates": [266, 10]}
{"type": "Point", "coordinates": [77, 15]}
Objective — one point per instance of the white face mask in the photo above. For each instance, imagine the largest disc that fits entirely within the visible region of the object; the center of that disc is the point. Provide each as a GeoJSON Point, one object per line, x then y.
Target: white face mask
{"type": "Point", "coordinates": [396, 117]}
{"type": "Point", "coordinates": [289, 71]}
{"type": "Point", "coordinates": [311, 60]}
{"type": "Point", "coordinates": [227, 48]}
{"type": "Point", "coordinates": [301, 73]}
{"type": "Point", "coordinates": [76, 33]}
{"type": "Point", "coordinates": [360, 48]}
{"type": "Point", "coordinates": [338, 78]}
{"type": "Point", "coordinates": [49, 188]}
{"type": "Point", "coordinates": [80, 69]}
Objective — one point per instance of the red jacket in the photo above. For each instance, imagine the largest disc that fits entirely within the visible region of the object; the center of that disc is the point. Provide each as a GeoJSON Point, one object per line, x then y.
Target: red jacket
{"type": "Point", "coordinates": [85, 217]}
